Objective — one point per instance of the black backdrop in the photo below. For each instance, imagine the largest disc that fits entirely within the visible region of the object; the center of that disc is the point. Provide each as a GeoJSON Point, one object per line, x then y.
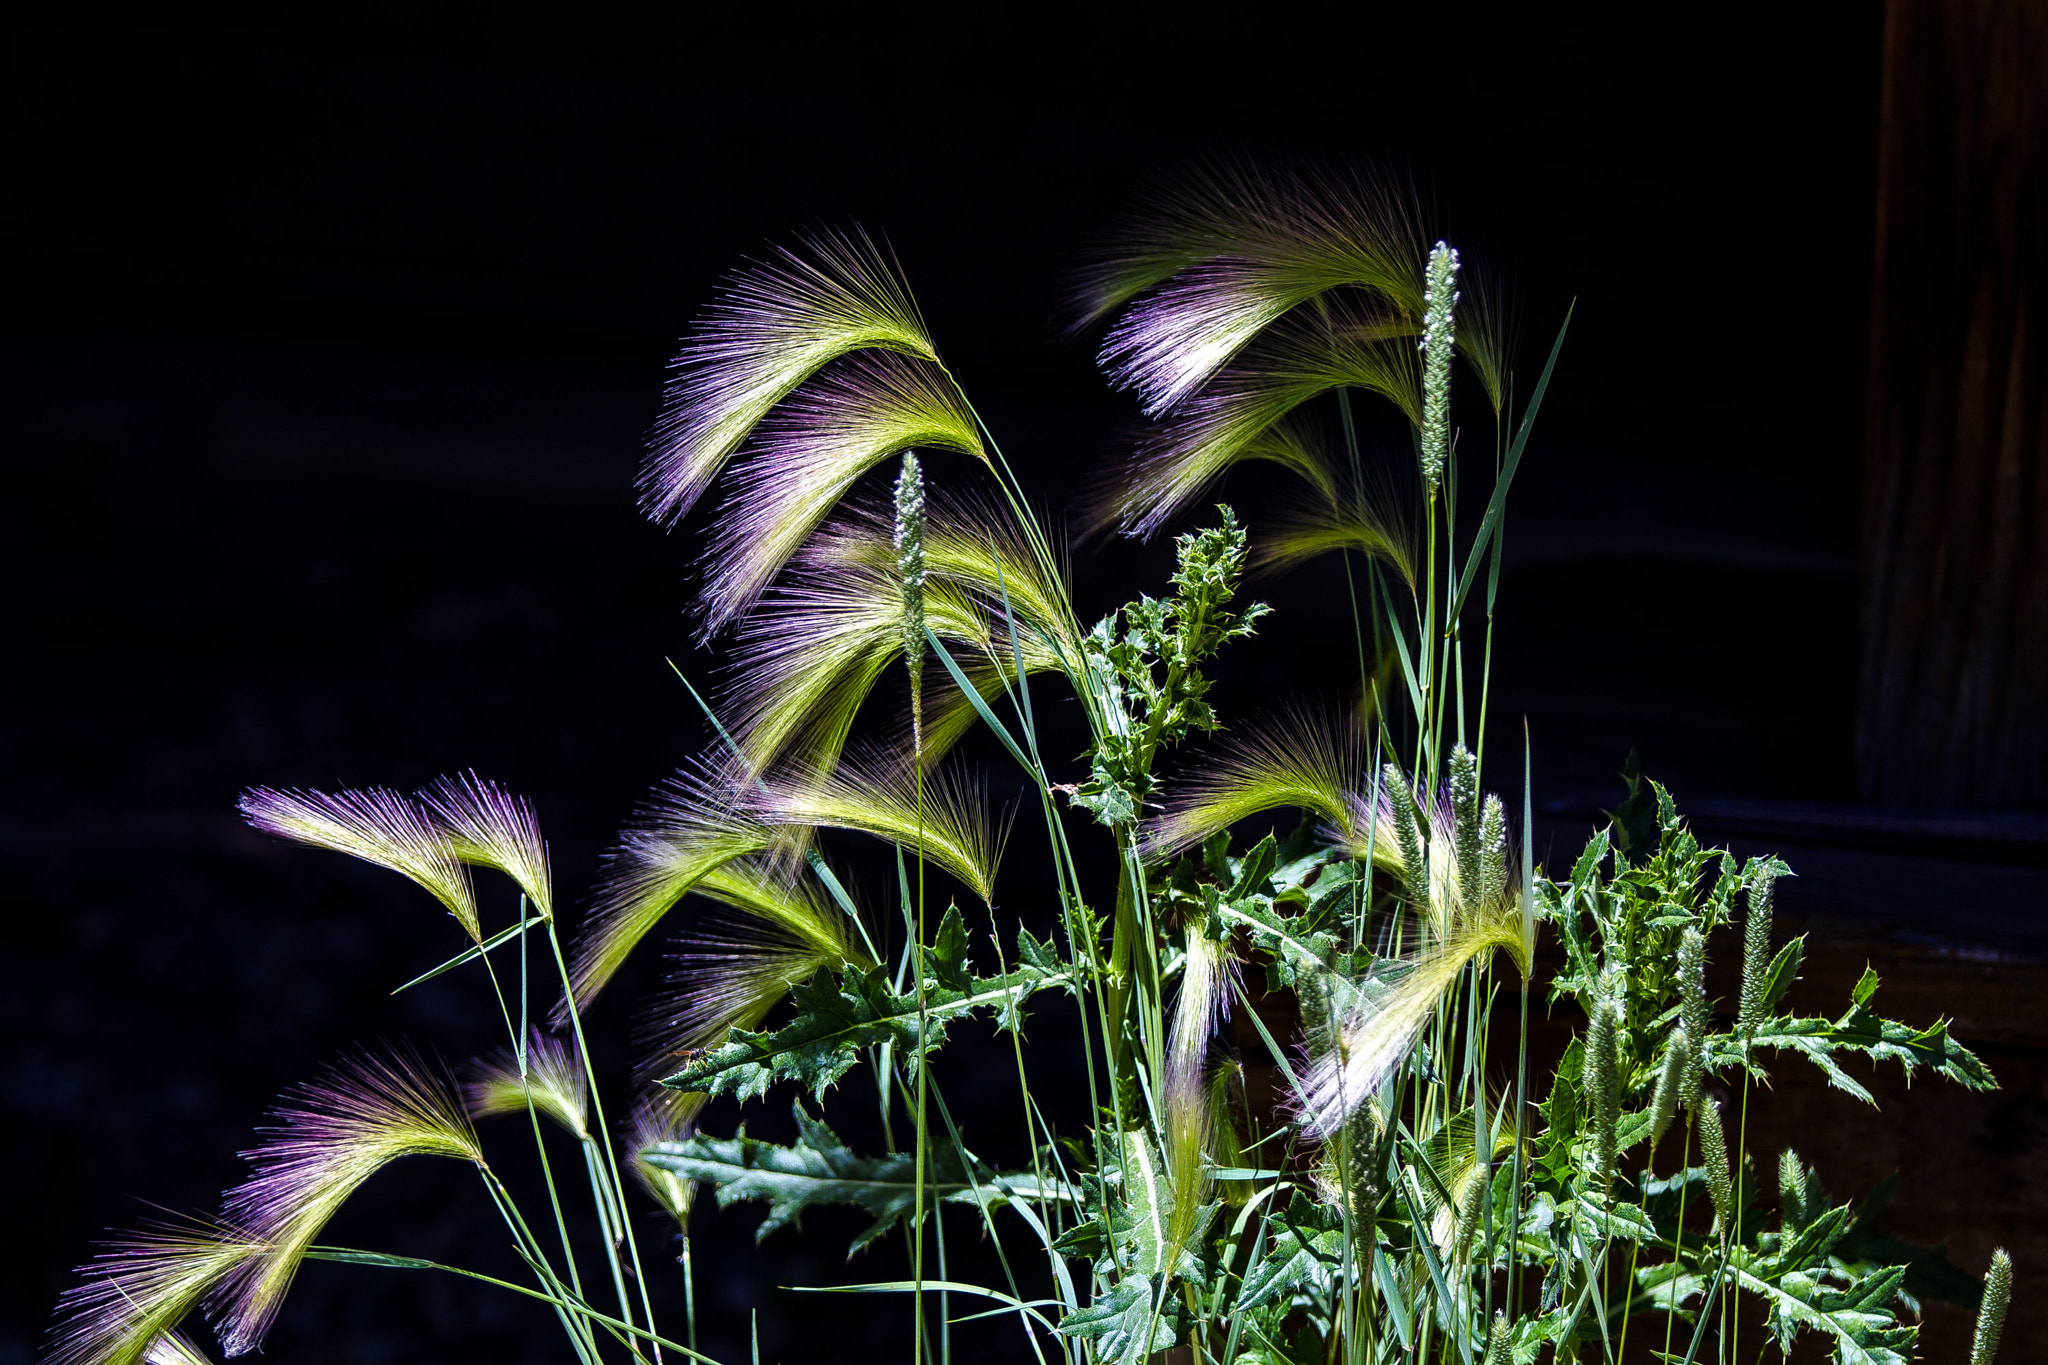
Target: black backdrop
{"type": "Point", "coordinates": [329, 347]}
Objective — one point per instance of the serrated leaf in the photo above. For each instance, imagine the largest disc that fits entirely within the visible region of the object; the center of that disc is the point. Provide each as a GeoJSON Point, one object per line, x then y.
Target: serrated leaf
{"type": "Point", "coordinates": [1784, 969]}
{"type": "Point", "coordinates": [1126, 1324]}
{"type": "Point", "coordinates": [947, 958]}
{"type": "Point", "coordinates": [820, 1169]}
{"type": "Point", "coordinates": [1860, 1031]}
{"type": "Point", "coordinates": [1865, 1332]}
{"type": "Point", "coordinates": [836, 1019]}
{"type": "Point", "coordinates": [1254, 867]}
{"type": "Point", "coordinates": [1866, 986]}
{"type": "Point", "coordinates": [1303, 1253]}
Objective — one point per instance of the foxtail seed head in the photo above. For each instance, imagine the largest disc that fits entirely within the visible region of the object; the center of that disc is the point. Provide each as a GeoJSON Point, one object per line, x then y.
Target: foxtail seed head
{"type": "Point", "coordinates": [1602, 1087]}
{"type": "Point", "coordinates": [909, 540]}
{"type": "Point", "coordinates": [1991, 1315]}
{"type": "Point", "coordinates": [1714, 1156]}
{"type": "Point", "coordinates": [1439, 300]}
{"type": "Point", "coordinates": [1678, 1063]}
{"type": "Point", "coordinates": [1692, 1011]}
{"type": "Point", "coordinates": [1498, 1341]}
{"type": "Point", "coordinates": [1756, 952]}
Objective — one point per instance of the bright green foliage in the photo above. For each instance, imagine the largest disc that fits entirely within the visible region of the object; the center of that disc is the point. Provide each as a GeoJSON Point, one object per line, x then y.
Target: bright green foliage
{"type": "Point", "coordinates": [1145, 663]}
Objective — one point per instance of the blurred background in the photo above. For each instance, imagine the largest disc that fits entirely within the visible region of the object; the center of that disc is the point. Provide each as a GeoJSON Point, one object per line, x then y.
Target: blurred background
{"type": "Point", "coordinates": [330, 344]}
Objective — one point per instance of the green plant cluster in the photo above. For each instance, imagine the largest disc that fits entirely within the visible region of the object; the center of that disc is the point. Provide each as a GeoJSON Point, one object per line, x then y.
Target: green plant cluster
{"type": "Point", "coordinates": [1313, 1134]}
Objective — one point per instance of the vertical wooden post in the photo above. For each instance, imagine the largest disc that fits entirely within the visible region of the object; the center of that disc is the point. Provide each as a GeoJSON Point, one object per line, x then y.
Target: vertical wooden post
{"type": "Point", "coordinates": [1954, 707]}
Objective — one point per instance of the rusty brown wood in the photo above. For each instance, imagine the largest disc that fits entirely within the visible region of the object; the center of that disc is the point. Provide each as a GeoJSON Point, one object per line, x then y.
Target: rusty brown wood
{"type": "Point", "coordinates": [1954, 707]}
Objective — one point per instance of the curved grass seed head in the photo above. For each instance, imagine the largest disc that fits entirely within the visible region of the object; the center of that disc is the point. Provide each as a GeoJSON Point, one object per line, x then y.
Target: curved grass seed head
{"type": "Point", "coordinates": [653, 1126]}
{"type": "Point", "coordinates": [134, 1294]}
{"type": "Point", "coordinates": [336, 1134]}
{"type": "Point", "coordinates": [554, 1077]}
{"type": "Point", "coordinates": [773, 326]}
{"type": "Point", "coordinates": [378, 826]}
{"type": "Point", "coordinates": [490, 827]}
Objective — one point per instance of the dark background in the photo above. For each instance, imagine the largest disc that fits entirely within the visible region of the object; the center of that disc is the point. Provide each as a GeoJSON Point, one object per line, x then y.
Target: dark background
{"type": "Point", "coordinates": [329, 348]}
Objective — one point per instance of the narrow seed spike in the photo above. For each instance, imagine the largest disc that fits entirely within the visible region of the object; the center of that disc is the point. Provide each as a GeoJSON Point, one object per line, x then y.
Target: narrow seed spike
{"type": "Point", "coordinates": [1692, 1007]}
{"type": "Point", "coordinates": [1602, 1087]}
{"type": "Point", "coordinates": [1463, 785]}
{"type": "Point", "coordinates": [1493, 851]}
{"type": "Point", "coordinates": [1408, 829]}
{"type": "Point", "coordinates": [1438, 333]}
{"type": "Point", "coordinates": [1756, 952]}
{"type": "Point", "coordinates": [1991, 1315]}
{"type": "Point", "coordinates": [909, 543]}
{"type": "Point", "coordinates": [1714, 1156]}
{"type": "Point", "coordinates": [1678, 1055]}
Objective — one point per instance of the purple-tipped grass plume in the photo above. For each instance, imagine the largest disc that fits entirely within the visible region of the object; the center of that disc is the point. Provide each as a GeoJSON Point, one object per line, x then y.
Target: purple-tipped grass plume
{"type": "Point", "coordinates": [1227, 421]}
{"type": "Point", "coordinates": [693, 838]}
{"type": "Point", "coordinates": [816, 647]}
{"type": "Point", "coordinates": [554, 1078]}
{"type": "Point", "coordinates": [136, 1292]}
{"type": "Point", "coordinates": [1231, 251]}
{"type": "Point", "coordinates": [1296, 758]}
{"type": "Point", "coordinates": [773, 327]}
{"type": "Point", "coordinates": [490, 827]}
{"type": "Point", "coordinates": [174, 1348]}
{"type": "Point", "coordinates": [1464, 916]}
{"type": "Point", "coordinates": [377, 825]}
{"type": "Point", "coordinates": [335, 1134]}
{"type": "Point", "coordinates": [1230, 243]}
{"type": "Point", "coordinates": [652, 1127]}
{"type": "Point", "coordinates": [1358, 524]}
{"type": "Point", "coordinates": [807, 456]}
{"type": "Point", "coordinates": [1202, 1006]}
{"type": "Point", "coordinates": [1375, 1037]}
{"type": "Point", "coordinates": [951, 826]}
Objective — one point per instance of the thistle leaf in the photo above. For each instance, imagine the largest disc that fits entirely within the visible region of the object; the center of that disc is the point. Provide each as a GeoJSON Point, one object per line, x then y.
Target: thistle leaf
{"type": "Point", "coordinates": [836, 1019]}
{"type": "Point", "coordinates": [820, 1169]}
